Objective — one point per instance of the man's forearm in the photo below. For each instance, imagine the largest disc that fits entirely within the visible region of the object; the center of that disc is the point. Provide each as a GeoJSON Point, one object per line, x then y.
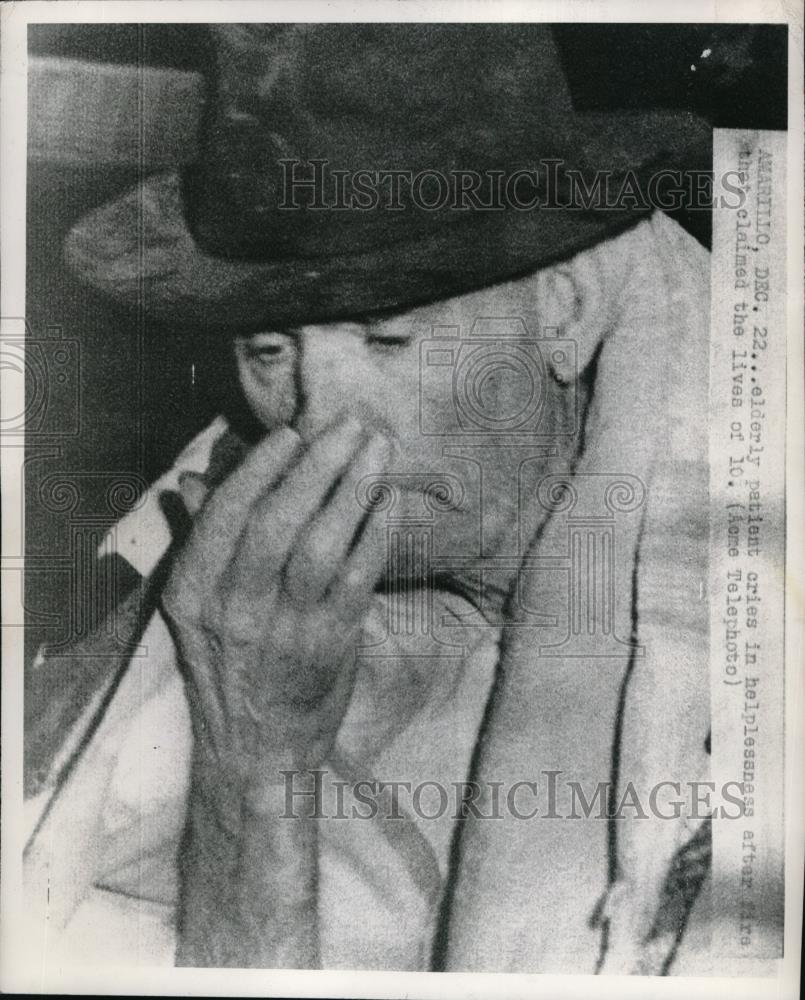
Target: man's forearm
{"type": "Point", "coordinates": [248, 893]}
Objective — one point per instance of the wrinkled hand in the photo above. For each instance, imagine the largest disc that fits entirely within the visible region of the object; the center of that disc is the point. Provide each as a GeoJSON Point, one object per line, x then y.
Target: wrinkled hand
{"type": "Point", "coordinates": [267, 599]}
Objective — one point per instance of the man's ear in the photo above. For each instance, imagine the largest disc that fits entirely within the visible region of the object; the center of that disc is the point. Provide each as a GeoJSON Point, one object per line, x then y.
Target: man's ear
{"type": "Point", "coordinates": [579, 300]}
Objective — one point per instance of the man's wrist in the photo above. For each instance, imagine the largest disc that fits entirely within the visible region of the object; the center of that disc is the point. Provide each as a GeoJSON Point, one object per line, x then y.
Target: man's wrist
{"type": "Point", "coordinates": [288, 788]}
{"type": "Point", "coordinates": [261, 790]}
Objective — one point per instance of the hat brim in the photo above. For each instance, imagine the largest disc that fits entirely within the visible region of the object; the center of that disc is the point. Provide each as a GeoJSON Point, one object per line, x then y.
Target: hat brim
{"type": "Point", "coordinates": [139, 250]}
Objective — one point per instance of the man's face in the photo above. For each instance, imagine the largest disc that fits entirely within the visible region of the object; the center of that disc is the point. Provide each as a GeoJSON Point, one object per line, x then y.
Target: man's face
{"type": "Point", "coordinates": [384, 371]}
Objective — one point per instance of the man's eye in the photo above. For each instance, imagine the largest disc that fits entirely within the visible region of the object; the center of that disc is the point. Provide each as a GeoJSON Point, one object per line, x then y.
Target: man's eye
{"type": "Point", "coordinates": [266, 353]}
{"type": "Point", "coordinates": [268, 349]}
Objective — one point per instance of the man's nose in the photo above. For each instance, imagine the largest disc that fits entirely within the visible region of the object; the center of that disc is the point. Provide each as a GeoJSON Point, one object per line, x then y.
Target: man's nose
{"type": "Point", "coordinates": [333, 377]}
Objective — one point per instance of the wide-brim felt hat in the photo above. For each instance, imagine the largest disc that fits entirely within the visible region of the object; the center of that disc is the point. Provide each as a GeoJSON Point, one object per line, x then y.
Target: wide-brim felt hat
{"type": "Point", "coordinates": [240, 239]}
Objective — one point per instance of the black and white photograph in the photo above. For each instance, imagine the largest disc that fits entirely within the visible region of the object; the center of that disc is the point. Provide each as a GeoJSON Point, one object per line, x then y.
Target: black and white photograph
{"type": "Point", "coordinates": [402, 485]}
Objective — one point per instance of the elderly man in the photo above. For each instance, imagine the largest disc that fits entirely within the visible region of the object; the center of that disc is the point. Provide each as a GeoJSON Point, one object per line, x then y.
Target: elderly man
{"type": "Point", "coordinates": [377, 592]}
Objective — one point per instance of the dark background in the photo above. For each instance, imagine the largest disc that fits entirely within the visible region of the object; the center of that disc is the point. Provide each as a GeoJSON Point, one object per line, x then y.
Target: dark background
{"type": "Point", "coordinates": [133, 394]}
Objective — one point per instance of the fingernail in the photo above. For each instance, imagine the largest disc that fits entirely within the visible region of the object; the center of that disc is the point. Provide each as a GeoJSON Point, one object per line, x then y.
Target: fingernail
{"type": "Point", "coordinates": [351, 426]}
{"type": "Point", "coordinates": [380, 442]}
{"type": "Point", "coordinates": [388, 445]}
{"type": "Point", "coordinates": [286, 435]}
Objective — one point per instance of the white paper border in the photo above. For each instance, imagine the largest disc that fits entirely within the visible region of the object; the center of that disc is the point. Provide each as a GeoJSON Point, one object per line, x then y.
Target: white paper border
{"type": "Point", "coordinates": [15, 973]}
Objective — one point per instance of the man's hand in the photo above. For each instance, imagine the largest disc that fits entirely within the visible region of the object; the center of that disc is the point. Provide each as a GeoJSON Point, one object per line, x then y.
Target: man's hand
{"type": "Point", "coordinates": [266, 603]}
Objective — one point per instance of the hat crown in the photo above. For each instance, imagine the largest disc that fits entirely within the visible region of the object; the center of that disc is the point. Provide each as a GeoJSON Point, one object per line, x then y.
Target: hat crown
{"type": "Point", "coordinates": [360, 98]}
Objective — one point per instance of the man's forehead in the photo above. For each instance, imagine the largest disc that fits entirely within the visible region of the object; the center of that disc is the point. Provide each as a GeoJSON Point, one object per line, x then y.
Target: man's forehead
{"type": "Point", "coordinates": [512, 299]}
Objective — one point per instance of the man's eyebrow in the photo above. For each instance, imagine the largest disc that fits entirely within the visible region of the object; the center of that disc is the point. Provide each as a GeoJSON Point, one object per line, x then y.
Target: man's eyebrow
{"type": "Point", "coordinates": [376, 316]}
{"type": "Point", "coordinates": [266, 331]}
{"type": "Point", "coordinates": [391, 312]}
{"type": "Point", "coordinates": [365, 320]}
